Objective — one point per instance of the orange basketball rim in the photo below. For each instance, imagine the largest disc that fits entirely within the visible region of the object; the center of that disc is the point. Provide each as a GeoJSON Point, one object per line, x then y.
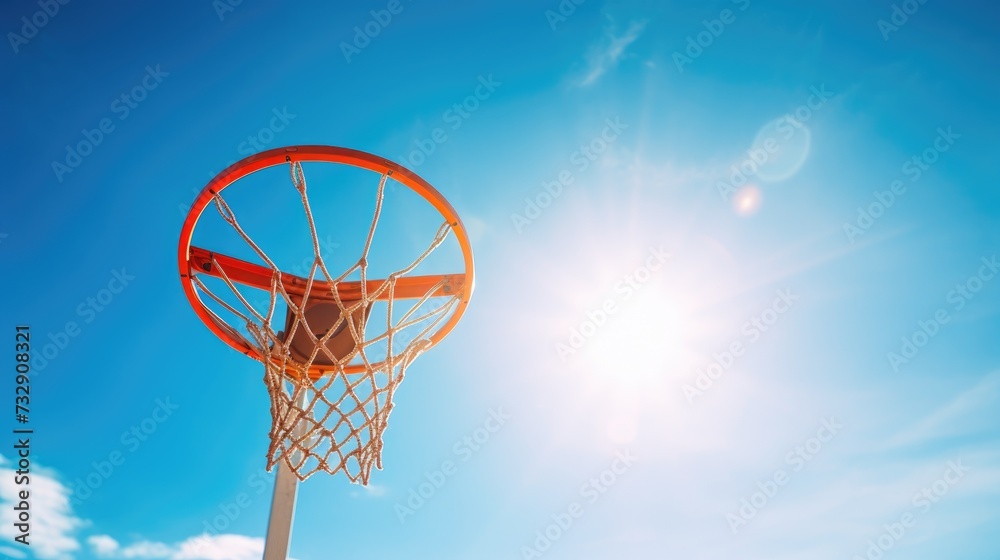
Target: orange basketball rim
{"type": "Point", "coordinates": [193, 260]}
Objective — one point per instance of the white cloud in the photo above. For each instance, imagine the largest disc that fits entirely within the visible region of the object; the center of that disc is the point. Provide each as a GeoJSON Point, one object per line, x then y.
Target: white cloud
{"type": "Point", "coordinates": [103, 545]}
{"type": "Point", "coordinates": [11, 552]}
{"type": "Point", "coordinates": [53, 525]}
{"type": "Point", "coordinates": [202, 547]}
{"type": "Point", "coordinates": [220, 547]}
{"type": "Point", "coordinates": [53, 522]}
{"type": "Point", "coordinates": [609, 52]}
{"type": "Point", "coordinates": [146, 549]}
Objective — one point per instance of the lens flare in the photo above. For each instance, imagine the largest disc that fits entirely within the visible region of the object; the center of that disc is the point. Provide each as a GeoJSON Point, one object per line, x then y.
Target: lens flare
{"type": "Point", "coordinates": [747, 200]}
{"type": "Point", "coordinates": [782, 146]}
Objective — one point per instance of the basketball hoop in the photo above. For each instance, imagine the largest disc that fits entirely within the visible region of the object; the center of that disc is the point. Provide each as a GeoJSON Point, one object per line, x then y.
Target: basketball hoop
{"type": "Point", "coordinates": [331, 365]}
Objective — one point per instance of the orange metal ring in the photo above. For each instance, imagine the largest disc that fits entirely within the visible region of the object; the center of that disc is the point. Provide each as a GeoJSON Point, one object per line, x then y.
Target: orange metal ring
{"type": "Point", "coordinates": [329, 154]}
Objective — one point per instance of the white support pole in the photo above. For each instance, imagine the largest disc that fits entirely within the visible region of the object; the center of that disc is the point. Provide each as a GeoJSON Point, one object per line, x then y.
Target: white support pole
{"type": "Point", "coordinates": [279, 525]}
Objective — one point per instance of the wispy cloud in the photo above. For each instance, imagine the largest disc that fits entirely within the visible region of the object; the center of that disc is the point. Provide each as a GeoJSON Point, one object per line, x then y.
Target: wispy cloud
{"type": "Point", "coordinates": [53, 522]}
{"type": "Point", "coordinates": [609, 52]}
{"type": "Point", "coordinates": [968, 412]}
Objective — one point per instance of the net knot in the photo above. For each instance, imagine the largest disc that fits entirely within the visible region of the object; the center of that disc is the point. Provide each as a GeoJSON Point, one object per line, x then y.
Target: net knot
{"type": "Point", "coordinates": [298, 177]}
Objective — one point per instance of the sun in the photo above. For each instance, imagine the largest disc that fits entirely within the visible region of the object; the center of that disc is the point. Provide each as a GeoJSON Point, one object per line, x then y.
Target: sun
{"type": "Point", "coordinates": [639, 342]}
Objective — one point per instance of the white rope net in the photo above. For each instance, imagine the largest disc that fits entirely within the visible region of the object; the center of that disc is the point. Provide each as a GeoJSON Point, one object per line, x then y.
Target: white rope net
{"type": "Point", "coordinates": [334, 422]}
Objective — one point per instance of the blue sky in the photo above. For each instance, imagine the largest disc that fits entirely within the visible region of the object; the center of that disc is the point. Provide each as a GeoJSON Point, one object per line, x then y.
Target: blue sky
{"type": "Point", "coordinates": [736, 292]}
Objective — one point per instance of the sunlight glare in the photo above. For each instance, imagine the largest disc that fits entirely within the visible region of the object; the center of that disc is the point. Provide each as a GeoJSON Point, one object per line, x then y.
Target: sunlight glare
{"type": "Point", "coordinates": [639, 341]}
{"type": "Point", "coordinates": [747, 200]}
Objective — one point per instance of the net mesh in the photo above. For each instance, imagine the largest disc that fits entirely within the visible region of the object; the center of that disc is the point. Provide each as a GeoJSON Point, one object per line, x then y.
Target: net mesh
{"type": "Point", "coordinates": [334, 422]}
